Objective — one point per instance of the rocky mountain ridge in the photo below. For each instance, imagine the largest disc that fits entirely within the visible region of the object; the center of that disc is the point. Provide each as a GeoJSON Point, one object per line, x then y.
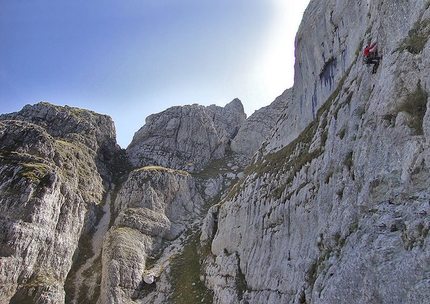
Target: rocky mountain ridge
{"type": "Point", "coordinates": [66, 184]}
{"type": "Point", "coordinates": [320, 197]}
{"type": "Point", "coordinates": [53, 178]}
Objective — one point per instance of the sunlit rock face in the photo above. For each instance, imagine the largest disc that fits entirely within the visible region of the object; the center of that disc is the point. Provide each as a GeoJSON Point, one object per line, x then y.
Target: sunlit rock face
{"type": "Point", "coordinates": [320, 197]}
{"type": "Point", "coordinates": [79, 221]}
{"type": "Point", "coordinates": [258, 126]}
{"type": "Point", "coordinates": [153, 205]}
{"type": "Point", "coordinates": [186, 137]}
{"type": "Point", "coordinates": [335, 205]}
{"type": "Point", "coordinates": [51, 186]}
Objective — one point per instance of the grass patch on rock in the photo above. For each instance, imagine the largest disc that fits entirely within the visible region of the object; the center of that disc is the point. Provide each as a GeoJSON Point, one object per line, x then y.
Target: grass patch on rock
{"type": "Point", "coordinates": [415, 104]}
{"type": "Point", "coordinates": [186, 272]}
{"type": "Point", "coordinates": [417, 38]}
{"type": "Point", "coordinates": [159, 169]}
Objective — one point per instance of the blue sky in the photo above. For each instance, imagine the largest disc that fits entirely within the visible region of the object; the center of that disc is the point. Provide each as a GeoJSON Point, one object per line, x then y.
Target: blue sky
{"type": "Point", "coordinates": [129, 59]}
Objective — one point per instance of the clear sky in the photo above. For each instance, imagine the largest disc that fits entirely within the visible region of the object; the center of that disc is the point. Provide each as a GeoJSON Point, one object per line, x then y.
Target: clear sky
{"type": "Point", "coordinates": [129, 59]}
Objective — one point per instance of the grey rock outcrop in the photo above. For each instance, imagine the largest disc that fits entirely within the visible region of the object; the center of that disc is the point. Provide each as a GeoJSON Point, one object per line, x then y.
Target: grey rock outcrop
{"type": "Point", "coordinates": [58, 165]}
{"type": "Point", "coordinates": [95, 131]}
{"type": "Point", "coordinates": [335, 205]}
{"type": "Point", "coordinates": [50, 189]}
{"type": "Point", "coordinates": [258, 126]}
{"type": "Point", "coordinates": [154, 203]}
{"type": "Point", "coordinates": [186, 137]}
{"type": "Point", "coordinates": [227, 120]}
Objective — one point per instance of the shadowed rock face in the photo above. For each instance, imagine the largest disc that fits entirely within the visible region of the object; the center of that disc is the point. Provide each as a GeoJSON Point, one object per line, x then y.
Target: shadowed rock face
{"type": "Point", "coordinates": [186, 137]}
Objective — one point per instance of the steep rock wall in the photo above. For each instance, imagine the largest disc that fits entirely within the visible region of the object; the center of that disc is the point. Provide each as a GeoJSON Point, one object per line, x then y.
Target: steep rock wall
{"type": "Point", "coordinates": [335, 205]}
{"type": "Point", "coordinates": [50, 191]}
{"type": "Point", "coordinates": [330, 37]}
{"type": "Point", "coordinates": [153, 205]}
{"type": "Point", "coordinates": [258, 126]}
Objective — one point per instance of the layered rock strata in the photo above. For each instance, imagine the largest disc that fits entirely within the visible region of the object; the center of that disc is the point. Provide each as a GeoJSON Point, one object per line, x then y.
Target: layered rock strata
{"type": "Point", "coordinates": [187, 137]}
{"type": "Point", "coordinates": [51, 188]}
{"type": "Point", "coordinates": [333, 207]}
{"type": "Point", "coordinates": [335, 204]}
{"type": "Point", "coordinates": [153, 205]}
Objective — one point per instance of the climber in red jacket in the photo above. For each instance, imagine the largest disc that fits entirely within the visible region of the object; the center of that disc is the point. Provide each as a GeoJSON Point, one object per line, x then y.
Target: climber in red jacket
{"type": "Point", "coordinates": [368, 50]}
{"type": "Point", "coordinates": [370, 56]}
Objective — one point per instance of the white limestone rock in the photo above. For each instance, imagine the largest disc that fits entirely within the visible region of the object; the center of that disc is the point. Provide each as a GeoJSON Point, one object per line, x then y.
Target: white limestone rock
{"type": "Point", "coordinates": [334, 205]}
{"type": "Point", "coordinates": [186, 137]}
{"type": "Point", "coordinates": [50, 187]}
{"type": "Point", "coordinates": [155, 204]}
{"type": "Point", "coordinates": [257, 127]}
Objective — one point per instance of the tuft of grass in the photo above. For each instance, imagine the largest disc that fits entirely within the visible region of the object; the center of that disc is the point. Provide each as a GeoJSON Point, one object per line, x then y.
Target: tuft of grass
{"type": "Point", "coordinates": [348, 161]}
{"type": "Point", "coordinates": [42, 277]}
{"type": "Point", "coordinates": [389, 117]}
{"type": "Point", "coordinates": [159, 169]}
{"type": "Point", "coordinates": [213, 169]}
{"type": "Point", "coordinates": [342, 133]}
{"type": "Point", "coordinates": [40, 281]}
{"type": "Point", "coordinates": [328, 176]}
{"type": "Point", "coordinates": [415, 104]}
{"type": "Point", "coordinates": [417, 37]}
{"type": "Point", "coordinates": [36, 172]}
{"type": "Point", "coordinates": [312, 272]}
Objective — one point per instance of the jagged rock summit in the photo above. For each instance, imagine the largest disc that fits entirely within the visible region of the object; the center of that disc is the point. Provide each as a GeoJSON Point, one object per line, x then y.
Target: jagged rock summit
{"type": "Point", "coordinates": [66, 185]}
{"type": "Point", "coordinates": [258, 126]}
{"type": "Point", "coordinates": [186, 137]}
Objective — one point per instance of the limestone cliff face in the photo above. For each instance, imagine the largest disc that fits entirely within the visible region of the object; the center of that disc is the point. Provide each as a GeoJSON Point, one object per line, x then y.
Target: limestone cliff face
{"type": "Point", "coordinates": [257, 127]}
{"type": "Point", "coordinates": [51, 188]}
{"type": "Point", "coordinates": [186, 137]}
{"type": "Point", "coordinates": [332, 207]}
{"type": "Point", "coordinates": [329, 42]}
{"type": "Point", "coordinates": [153, 205]}
{"type": "Point", "coordinates": [335, 204]}
{"type": "Point", "coordinates": [79, 223]}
